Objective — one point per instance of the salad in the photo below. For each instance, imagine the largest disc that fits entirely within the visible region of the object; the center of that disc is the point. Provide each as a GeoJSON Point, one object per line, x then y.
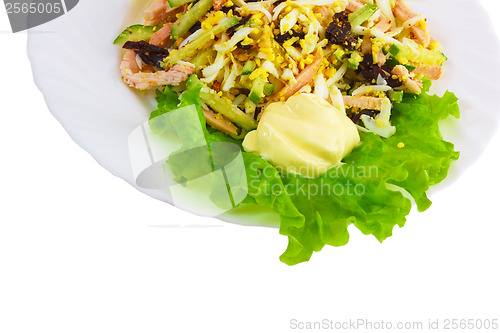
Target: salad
{"type": "Point", "coordinates": [319, 94]}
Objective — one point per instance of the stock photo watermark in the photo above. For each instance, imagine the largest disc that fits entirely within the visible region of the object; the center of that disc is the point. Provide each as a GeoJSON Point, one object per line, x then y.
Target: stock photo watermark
{"type": "Point", "coordinates": [370, 325]}
{"type": "Point", "coordinates": [28, 14]}
{"type": "Point", "coordinates": [322, 186]}
{"type": "Point", "coordinates": [170, 153]}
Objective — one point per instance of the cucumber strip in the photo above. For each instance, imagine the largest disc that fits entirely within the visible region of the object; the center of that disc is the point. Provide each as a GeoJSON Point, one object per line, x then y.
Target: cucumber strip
{"type": "Point", "coordinates": [223, 106]}
{"type": "Point", "coordinates": [362, 15]}
{"type": "Point", "coordinates": [354, 61]}
{"type": "Point", "coordinates": [268, 89]}
{"type": "Point", "coordinates": [191, 48]}
{"type": "Point", "coordinates": [136, 33]}
{"type": "Point", "coordinates": [249, 67]}
{"type": "Point", "coordinates": [228, 110]}
{"type": "Point", "coordinates": [391, 62]}
{"type": "Point", "coordinates": [257, 91]}
{"type": "Point", "coordinates": [202, 58]}
{"type": "Point", "coordinates": [177, 3]}
{"type": "Point", "coordinates": [431, 57]}
{"type": "Point", "coordinates": [394, 50]}
{"type": "Point", "coordinates": [186, 21]}
{"type": "Point", "coordinates": [351, 64]}
{"type": "Point", "coordinates": [339, 54]}
{"type": "Point", "coordinates": [403, 54]}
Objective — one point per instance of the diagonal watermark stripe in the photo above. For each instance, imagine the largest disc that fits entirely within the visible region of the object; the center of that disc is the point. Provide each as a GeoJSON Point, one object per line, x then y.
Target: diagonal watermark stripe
{"type": "Point", "coordinates": [171, 154]}
{"type": "Point", "coordinates": [63, 3]}
{"type": "Point", "coordinates": [26, 14]}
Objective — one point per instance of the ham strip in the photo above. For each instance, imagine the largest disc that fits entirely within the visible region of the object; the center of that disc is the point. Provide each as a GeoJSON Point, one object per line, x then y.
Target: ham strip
{"type": "Point", "coordinates": [218, 4]}
{"type": "Point", "coordinates": [160, 13]}
{"type": "Point", "coordinates": [432, 72]}
{"type": "Point", "coordinates": [383, 24]}
{"type": "Point", "coordinates": [363, 102]}
{"type": "Point", "coordinates": [145, 80]}
{"type": "Point", "coordinates": [161, 38]}
{"type": "Point", "coordinates": [305, 77]}
{"type": "Point", "coordinates": [415, 86]}
{"type": "Point", "coordinates": [219, 123]}
{"type": "Point", "coordinates": [354, 5]}
{"type": "Point", "coordinates": [403, 13]}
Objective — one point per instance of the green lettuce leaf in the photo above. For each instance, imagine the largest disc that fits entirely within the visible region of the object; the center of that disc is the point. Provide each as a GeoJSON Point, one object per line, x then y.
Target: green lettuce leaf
{"type": "Point", "coordinates": [363, 190]}
{"type": "Point", "coordinates": [370, 189]}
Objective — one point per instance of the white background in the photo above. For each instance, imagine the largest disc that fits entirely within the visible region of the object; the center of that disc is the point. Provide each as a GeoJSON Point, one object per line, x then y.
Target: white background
{"type": "Point", "coordinates": [82, 251]}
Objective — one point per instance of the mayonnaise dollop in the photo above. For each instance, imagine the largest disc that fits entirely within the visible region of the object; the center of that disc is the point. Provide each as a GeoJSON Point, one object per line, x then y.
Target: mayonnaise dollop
{"type": "Point", "coordinates": [304, 135]}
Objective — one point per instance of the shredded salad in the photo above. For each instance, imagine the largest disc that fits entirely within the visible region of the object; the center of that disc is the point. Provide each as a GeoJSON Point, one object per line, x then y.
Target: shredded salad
{"type": "Point", "coordinates": [373, 59]}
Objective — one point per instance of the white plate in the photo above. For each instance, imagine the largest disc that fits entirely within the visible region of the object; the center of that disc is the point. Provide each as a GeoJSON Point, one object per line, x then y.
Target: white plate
{"type": "Point", "coordinates": [76, 66]}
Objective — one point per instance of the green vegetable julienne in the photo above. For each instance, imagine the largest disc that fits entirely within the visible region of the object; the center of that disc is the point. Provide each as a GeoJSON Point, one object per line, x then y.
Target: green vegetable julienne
{"type": "Point", "coordinates": [316, 212]}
